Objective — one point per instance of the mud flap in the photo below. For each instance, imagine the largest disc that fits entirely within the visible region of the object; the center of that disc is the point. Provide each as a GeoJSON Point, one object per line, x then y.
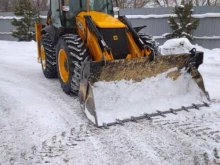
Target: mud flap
{"type": "Point", "coordinates": [135, 69]}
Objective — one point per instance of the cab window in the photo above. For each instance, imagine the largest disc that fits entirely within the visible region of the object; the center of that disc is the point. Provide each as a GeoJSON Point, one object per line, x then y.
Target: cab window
{"type": "Point", "coordinates": [55, 17]}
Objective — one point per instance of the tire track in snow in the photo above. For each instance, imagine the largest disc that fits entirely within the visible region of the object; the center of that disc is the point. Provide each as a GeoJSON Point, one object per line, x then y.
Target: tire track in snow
{"type": "Point", "coordinates": [49, 89]}
{"type": "Point", "coordinates": [34, 107]}
{"type": "Point", "coordinates": [124, 145]}
{"type": "Point", "coordinates": [202, 129]}
{"type": "Point", "coordinates": [157, 142]}
{"type": "Point", "coordinates": [63, 136]}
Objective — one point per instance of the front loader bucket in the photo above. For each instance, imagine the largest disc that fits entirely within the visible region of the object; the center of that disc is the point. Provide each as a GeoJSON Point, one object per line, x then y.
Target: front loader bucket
{"type": "Point", "coordinates": [118, 90]}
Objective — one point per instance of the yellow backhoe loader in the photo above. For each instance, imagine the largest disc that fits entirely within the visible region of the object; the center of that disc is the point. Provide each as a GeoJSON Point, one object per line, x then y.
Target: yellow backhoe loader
{"type": "Point", "coordinates": [83, 43]}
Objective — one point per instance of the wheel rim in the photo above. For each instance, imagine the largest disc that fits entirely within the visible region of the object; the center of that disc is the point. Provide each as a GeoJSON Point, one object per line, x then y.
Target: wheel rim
{"type": "Point", "coordinates": [63, 66]}
{"type": "Point", "coordinates": [43, 58]}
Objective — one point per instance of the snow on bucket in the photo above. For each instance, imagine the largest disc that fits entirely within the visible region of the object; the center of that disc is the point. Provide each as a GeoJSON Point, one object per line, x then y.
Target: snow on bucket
{"type": "Point", "coordinates": [122, 89]}
{"type": "Point", "coordinates": [124, 99]}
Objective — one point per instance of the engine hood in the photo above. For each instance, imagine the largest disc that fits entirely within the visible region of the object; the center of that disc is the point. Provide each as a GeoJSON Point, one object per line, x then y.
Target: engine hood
{"type": "Point", "coordinates": [103, 20]}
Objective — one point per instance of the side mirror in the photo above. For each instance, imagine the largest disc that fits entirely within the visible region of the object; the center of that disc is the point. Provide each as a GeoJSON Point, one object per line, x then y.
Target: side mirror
{"type": "Point", "coordinates": [116, 9]}
{"type": "Point", "coordinates": [66, 8]}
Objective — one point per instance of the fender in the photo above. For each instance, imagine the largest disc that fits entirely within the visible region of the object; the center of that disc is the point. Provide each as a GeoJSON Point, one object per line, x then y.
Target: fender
{"type": "Point", "coordinates": [55, 33]}
{"type": "Point", "coordinates": [63, 30]}
{"type": "Point", "coordinates": [52, 31]}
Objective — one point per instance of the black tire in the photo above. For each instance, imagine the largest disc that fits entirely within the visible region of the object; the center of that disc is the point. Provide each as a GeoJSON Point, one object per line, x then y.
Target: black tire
{"type": "Point", "coordinates": [50, 70]}
{"type": "Point", "coordinates": [149, 41]}
{"type": "Point", "coordinates": [77, 53]}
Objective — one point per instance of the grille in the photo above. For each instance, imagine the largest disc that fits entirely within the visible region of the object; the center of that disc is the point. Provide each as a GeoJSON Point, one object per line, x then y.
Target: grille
{"type": "Point", "coordinates": [117, 40]}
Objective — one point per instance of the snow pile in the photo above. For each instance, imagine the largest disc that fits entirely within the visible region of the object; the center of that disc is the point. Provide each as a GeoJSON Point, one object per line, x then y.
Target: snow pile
{"type": "Point", "coordinates": [206, 15]}
{"type": "Point", "coordinates": [165, 34]}
{"type": "Point", "coordinates": [123, 99]}
{"type": "Point", "coordinates": [6, 33]}
{"type": "Point", "coordinates": [150, 16]}
{"type": "Point", "coordinates": [209, 69]}
{"type": "Point", "coordinates": [207, 37]}
{"type": "Point", "coordinates": [189, 24]}
{"type": "Point", "coordinates": [195, 37]}
{"type": "Point", "coordinates": [181, 6]}
{"type": "Point", "coordinates": [18, 18]}
{"type": "Point", "coordinates": [9, 17]}
{"type": "Point", "coordinates": [176, 46]}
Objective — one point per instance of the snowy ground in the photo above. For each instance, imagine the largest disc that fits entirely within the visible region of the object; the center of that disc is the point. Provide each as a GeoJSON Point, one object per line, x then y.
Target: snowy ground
{"type": "Point", "coordinates": [39, 124]}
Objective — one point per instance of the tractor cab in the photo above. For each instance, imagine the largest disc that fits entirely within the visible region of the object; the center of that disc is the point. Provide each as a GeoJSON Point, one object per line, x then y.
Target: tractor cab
{"type": "Point", "coordinates": [63, 12]}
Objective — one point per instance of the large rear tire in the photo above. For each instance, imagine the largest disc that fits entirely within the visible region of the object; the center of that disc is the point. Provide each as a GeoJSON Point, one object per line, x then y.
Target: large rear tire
{"type": "Point", "coordinates": [48, 57]}
{"type": "Point", "coordinates": [71, 53]}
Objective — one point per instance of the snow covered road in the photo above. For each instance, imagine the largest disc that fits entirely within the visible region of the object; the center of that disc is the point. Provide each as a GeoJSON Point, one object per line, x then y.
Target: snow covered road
{"type": "Point", "coordinates": [39, 124]}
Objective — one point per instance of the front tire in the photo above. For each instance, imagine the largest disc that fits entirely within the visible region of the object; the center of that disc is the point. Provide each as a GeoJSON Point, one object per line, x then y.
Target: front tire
{"type": "Point", "coordinates": [71, 53]}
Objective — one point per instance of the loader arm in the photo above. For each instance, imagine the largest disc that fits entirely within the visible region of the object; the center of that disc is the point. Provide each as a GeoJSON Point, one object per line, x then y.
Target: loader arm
{"type": "Point", "coordinates": [114, 38]}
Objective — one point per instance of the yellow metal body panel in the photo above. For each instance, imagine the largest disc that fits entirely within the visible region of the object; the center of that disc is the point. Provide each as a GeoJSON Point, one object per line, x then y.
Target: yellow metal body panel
{"type": "Point", "coordinates": [43, 58]}
{"type": "Point", "coordinates": [38, 28]}
{"type": "Point", "coordinates": [103, 20]}
{"type": "Point", "coordinates": [63, 65]}
{"type": "Point", "coordinates": [90, 39]}
{"type": "Point", "coordinates": [134, 49]}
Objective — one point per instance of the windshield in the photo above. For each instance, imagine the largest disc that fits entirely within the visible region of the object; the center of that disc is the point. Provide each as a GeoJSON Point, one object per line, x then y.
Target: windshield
{"type": "Point", "coordinates": [73, 7]}
{"type": "Point", "coordinates": [102, 6]}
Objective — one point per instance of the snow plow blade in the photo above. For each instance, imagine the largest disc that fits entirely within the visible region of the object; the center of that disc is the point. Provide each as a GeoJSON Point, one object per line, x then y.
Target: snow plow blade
{"type": "Point", "coordinates": [99, 85]}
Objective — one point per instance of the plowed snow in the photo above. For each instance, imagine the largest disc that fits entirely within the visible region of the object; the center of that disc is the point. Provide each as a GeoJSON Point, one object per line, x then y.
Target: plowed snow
{"type": "Point", "coordinates": [123, 99]}
{"type": "Point", "coordinates": [39, 124]}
